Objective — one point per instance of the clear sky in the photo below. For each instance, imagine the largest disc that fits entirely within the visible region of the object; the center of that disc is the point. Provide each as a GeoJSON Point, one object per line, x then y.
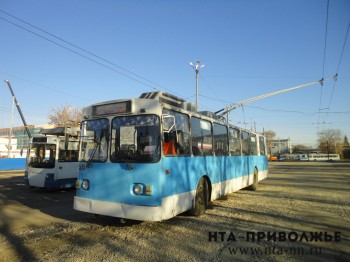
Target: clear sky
{"type": "Point", "coordinates": [248, 47]}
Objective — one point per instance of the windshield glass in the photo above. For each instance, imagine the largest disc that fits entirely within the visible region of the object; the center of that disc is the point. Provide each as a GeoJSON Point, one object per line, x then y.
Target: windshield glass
{"type": "Point", "coordinates": [135, 139]}
{"type": "Point", "coordinates": [94, 140]}
{"type": "Point", "coordinates": [42, 155]}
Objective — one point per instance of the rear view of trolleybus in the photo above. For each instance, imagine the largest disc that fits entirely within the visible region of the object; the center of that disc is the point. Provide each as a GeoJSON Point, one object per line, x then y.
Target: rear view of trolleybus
{"type": "Point", "coordinates": [53, 158]}
{"type": "Point", "coordinates": [153, 157]}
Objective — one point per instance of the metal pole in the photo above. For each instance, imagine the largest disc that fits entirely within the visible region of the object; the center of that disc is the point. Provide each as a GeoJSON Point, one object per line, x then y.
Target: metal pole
{"type": "Point", "coordinates": [196, 68]}
{"type": "Point", "coordinates": [197, 88]}
{"type": "Point", "coordinates": [9, 146]}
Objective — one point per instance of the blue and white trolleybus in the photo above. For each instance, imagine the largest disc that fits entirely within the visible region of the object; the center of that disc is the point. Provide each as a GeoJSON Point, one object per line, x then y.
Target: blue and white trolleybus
{"type": "Point", "coordinates": [153, 157]}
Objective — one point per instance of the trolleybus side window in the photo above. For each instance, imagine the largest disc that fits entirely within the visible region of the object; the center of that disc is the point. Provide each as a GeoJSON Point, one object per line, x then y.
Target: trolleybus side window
{"type": "Point", "coordinates": [220, 140]}
{"type": "Point", "coordinates": [235, 142]}
{"type": "Point", "coordinates": [68, 152]}
{"type": "Point", "coordinates": [135, 139]}
{"type": "Point", "coordinates": [262, 146]}
{"type": "Point", "coordinates": [245, 143]}
{"type": "Point", "coordinates": [176, 133]}
{"type": "Point", "coordinates": [202, 139]}
{"type": "Point", "coordinates": [94, 140]}
{"type": "Point", "coordinates": [253, 145]}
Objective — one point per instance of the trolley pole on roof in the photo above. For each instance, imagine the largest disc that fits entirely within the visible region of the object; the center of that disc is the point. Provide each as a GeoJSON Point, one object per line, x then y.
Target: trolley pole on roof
{"type": "Point", "coordinates": [196, 68]}
{"type": "Point", "coordinates": [18, 108]}
{"type": "Point", "coordinates": [233, 106]}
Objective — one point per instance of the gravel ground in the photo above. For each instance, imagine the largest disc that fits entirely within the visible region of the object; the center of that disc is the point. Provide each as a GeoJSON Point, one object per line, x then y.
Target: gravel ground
{"type": "Point", "coordinates": [296, 197]}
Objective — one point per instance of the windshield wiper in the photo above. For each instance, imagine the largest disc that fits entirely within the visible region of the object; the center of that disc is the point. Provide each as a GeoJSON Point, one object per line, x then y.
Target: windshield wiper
{"type": "Point", "coordinates": [91, 157]}
{"type": "Point", "coordinates": [97, 146]}
{"type": "Point", "coordinates": [124, 155]}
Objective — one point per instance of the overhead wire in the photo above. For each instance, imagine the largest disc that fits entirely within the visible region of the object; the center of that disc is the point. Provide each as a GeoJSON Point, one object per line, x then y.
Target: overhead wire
{"type": "Point", "coordinates": [336, 75]}
{"type": "Point", "coordinates": [45, 86]}
{"type": "Point", "coordinates": [324, 60]}
{"type": "Point", "coordinates": [82, 55]}
{"type": "Point", "coordinates": [325, 41]}
{"type": "Point", "coordinates": [75, 52]}
{"type": "Point", "coordinates": [82, 49]}
{"type": "Point", "coordinates": [136, 75]}
{"type": "Point", "coordinates": [6, 109]}
{"type": "Point", "coordinates": [207, 83]}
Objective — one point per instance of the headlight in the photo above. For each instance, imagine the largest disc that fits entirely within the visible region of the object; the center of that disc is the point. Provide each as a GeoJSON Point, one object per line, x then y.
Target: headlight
{"type": "Point", "coordinates": [85, 184]}
{"type": "Point", "coordinates": [138, 189]}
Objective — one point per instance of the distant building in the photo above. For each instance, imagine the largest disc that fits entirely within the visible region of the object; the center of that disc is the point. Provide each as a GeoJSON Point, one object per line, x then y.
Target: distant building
{"type": "Point", "coordinates": [281, 147]}
{"type": "Point", "coordinates": [19, 140]}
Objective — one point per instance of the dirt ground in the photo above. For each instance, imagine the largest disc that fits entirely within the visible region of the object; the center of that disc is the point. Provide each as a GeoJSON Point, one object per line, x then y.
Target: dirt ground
{"type": "Point", "coordinates": [308, 203]}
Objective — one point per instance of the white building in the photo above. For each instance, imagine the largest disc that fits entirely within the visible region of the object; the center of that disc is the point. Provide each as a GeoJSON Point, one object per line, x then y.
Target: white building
{"type": "Point", "coordinates": [14, 151]}
{"type": "Point", "coordinates": [19, 140]}
{"type": "Point", "coordinates": [281, 147]}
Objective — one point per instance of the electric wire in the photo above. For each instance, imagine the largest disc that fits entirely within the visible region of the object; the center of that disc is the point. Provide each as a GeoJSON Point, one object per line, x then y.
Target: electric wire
{"type": "Point", "coordinates": [336, 75]}
{"type": "Point", "coordinates": [85, 56]}
{"type": "Point", "coordinates": [207, 84]}
{"type": "Point", "coordinates": [323, 68]}
{"type": "Point", "coordinates": [278, 110]}
{"type": "Point", "coordinates": [324, 59]}
{"type": "Point", "coordinates": [45, 87]}
{"type": "Point", "coordinates": [325, 41]}
{"type": "Point", "coordinates": [82, 49]}
{"type": "Point", "coordinates": [342, 52]}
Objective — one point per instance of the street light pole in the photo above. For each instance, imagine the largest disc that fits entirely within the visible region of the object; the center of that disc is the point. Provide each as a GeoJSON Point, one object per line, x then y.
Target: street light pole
{"type": "Point", "coordinates": [196, 68]}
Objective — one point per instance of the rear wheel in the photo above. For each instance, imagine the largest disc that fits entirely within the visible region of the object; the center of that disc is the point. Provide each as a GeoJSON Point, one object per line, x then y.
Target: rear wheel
{"type": "Point", "coordinates": [202, 198]}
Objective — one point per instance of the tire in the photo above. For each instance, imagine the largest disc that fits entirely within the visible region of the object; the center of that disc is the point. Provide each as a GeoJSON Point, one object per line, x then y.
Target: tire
{"type": "Point", "coordinates": [202, 198]}
{"type": "Point", "coordinates": [254, 186]}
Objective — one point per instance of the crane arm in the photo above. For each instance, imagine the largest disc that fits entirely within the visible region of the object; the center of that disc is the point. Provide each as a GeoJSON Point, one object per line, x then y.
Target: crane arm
{"type": "Point", "coordinates": [19, 109]}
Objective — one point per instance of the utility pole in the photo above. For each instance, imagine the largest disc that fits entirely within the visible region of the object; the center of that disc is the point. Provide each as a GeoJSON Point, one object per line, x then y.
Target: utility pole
{"type": "Point", "coordinates": [196, 68]}
{"type": "Point", "coordinates": [9, 145]}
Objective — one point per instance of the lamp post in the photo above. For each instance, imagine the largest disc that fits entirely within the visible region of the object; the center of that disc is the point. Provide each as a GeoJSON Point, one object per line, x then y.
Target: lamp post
{"type": "Point", "coordinates": [196, 68]}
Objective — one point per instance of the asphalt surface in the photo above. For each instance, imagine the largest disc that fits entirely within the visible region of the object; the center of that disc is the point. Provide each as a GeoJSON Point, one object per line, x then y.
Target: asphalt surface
{"type": "Point", "coordinates": [309, 203]}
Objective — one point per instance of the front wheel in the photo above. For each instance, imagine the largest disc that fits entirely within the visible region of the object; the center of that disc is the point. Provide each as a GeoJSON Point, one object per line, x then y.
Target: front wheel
{"type": "Point", "coordinates": [202, 198]}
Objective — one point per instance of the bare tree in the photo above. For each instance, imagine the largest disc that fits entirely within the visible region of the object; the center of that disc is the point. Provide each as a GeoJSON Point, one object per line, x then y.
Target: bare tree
{"type": "Point", "coordinates": [299, 148]}
{"type": "Point", "coordinates": [329, 141]}
{"type": "Point", "coordinates": [270, 135]}
{"type": "Point", "coordinates": [65, 115]}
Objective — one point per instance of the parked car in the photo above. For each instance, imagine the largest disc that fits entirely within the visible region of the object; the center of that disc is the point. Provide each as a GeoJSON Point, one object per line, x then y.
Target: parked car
{"type": "Point", "coordinates": [304, 158]}
{"type": "Point", "coordinates": [272, 158]}
{"type": "Point", "coordinates": [282, 159]}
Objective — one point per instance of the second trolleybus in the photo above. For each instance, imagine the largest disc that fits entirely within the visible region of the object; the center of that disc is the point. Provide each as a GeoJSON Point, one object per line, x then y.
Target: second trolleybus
{"type": "Point", "coordinates": [153, 157]}
{"type": "Point", "coordinates": [52, 161]}
{"type": "Point", "coordinates": [324, 157]}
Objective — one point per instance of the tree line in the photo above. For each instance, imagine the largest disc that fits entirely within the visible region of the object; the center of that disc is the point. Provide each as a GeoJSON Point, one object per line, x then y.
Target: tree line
{"type": "Point", "coordinates": [330, 141]}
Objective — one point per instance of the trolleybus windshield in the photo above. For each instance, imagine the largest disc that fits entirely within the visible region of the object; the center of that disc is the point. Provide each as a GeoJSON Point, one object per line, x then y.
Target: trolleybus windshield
{"type": "Point", "coordinates": [42, 155]}
{"type": "Point", "coordinates": [135, 139]}
{"type": "Point", "coordinates": [94, 140]}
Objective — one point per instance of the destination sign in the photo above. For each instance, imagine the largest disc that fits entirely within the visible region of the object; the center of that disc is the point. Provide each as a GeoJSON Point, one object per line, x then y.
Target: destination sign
{"type": "Point", "coordinates": [114, 108]}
